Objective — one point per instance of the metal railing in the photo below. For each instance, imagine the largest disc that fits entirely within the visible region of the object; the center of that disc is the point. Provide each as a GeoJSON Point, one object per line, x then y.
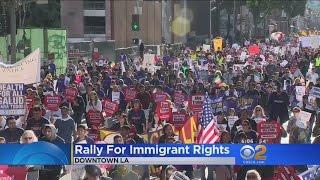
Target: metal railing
{"type": "Point", "coordinates": [94, 30]}
{"type": "Point", "coordinates": [94, 5]}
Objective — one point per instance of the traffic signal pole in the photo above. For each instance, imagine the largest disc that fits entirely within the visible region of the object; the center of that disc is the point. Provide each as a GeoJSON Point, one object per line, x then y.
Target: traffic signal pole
{"type": "Point", "coordinates": [13, 29]}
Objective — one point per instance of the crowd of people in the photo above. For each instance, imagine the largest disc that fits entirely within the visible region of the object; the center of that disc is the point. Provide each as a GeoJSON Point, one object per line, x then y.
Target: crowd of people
{"type": "Point", "coordinates": [127, 96]}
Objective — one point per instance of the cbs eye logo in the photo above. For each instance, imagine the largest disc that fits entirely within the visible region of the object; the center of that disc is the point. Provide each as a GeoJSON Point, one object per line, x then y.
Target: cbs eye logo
{"type": "Point", "coordinates": [247, 152]}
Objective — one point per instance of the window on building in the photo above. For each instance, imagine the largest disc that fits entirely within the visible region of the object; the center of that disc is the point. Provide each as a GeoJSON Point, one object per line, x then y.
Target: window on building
{"type": "Point", "coordinates": [94, 4]}
{"type": "Point", "coordinates": [94, 25]}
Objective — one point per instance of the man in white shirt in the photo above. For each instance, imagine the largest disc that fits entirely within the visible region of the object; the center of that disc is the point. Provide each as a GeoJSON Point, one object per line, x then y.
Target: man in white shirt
{"type": "Point", "coordinates": [312, 76]}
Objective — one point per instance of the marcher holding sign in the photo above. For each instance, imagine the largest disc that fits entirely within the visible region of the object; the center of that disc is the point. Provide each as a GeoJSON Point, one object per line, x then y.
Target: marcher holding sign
{"type": "Point", "coordinates": [110, 107]}
{"type": "Point", "coordinates": [178, 119]}
{"type": "Point", "coordinates": [178, 98]}
{"type": "Point", "coordinates": [12, 101]}
{"type": "Point", "coordinates": [71, 93]}
{"type": "Point", "coordinates": [197, 103]}
{"type": "Point", "coordinates": [52, 102]}
{"type": "Point", "coordinates": [94, 118]}
{"type": "Point", "coordinates": [269, 132]}
{"type": "Point", "coordinates": [130, 94]}
{"type": "Point", "coordinates": [297, 128]}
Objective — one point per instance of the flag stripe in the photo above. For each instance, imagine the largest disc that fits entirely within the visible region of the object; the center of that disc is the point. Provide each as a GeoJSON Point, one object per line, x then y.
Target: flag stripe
{"type": "Point", "coordinates": [209, 133]}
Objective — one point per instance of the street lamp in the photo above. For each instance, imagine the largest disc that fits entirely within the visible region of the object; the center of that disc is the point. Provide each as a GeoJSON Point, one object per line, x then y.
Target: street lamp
{"type": "Point", "coordinates": [211, 9]}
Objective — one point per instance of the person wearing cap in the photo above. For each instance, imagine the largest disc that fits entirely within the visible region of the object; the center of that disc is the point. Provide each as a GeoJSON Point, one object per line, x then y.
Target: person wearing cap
{"type": "Point", "coordinates": [37, 121]}
{"type": "Point", "coordinates": [137, 118]}
{"type": "Point", "coordinates": [50, 172]}
{"type": "Point", "coordinates": [65, 125]}
{"type": "Point", "coordinates": [296, 129]}
{"type": "Point", "coordinates": [82, 135]}
{"type": "Point", "coordinates": [12, 134]}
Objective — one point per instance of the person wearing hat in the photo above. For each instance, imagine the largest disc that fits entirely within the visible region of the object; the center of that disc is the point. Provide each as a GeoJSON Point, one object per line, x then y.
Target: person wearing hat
{"type": "Point", "coordinates": [12, 134]}
{"type": "Point", "coordinates": [82, 135]}
{"type": "Point", "coordinates": [296, 129]}
{"type": "Point", "coordinates": [65, 125]}
{"type": "Point", "coordinates": [37, 121]}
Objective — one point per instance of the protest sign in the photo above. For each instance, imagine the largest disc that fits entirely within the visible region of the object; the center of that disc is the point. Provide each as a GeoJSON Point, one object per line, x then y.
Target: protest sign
{"type": "Point", "coordinates": [94, 118]}
{"type": "Point", "coordinates": [246, 103]}
{"type": "Point", "coordinates": [315, 92]}
{"type": "Point", "coordinates": [160, 97]}
{"type": "Point", "coordinates": [269, 132]}
{"type": "Point", "coordinates": [254, 50]}
{"type": "Point", "coordinates": [71, 93]}
{"type": "Point", "coordinates": [178, 98]}
{"type": "Point", "coordinates": [29, 102]}
{"type": "Point", "coordinates": [12, 172]}
{"type": "Point", "coordinates": [164, 110]}
{"type": "Point", "coordinates": [232, 120]}
{"type": "Point", "coordinates": [217, 44]}
{"type": "Point", "coordinates": [12, 100]}
{"type": "Point", "coordinates": [130, 94]}
{"type": "Point", "coordinates": [304, 117]}
{"type": "Point", "coordinates": [197, 103]}
{"type": "Point", "coordinates": [148, 60]}
{"type": "Point", "coordinates": [53, 102]}
{"type": "Point", "coordinates": [110, 107]}
{"type": "Point", "coordinates": [178, 120]}
{"type": "Point", "coordinates": [205, 47]}
{"type": "Point", "coordinates": [115, 96]}
{"type": "Point", "coordinates": [311, 103]}
{"type": "Point", "coordinates": [26, 71]}
{"type": "Point", "coordinates": [300, 92]}
{"type": "Point", "coordinates": [217, 105]}
{"type": "Point", "coordinates": [284, 63]}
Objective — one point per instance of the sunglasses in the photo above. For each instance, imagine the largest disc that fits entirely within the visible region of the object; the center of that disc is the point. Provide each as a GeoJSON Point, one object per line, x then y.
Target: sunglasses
{"type": "Point", "coordinates": [245, 124]}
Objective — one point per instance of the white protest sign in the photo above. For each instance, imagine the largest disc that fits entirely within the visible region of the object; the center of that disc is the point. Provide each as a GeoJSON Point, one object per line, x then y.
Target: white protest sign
{"type": "Point", "coordinates": [26, 71]}
{"type": "Point", "coordinates": [284, 63]}
{"type": "Point", "coordinates": [314, 42]}
{"type": "Point", "coordinates": [205, 47]}
{"type": "Point", "coordinates": [148, 60]}
{"type": "Point", "coordinates": [12, 100]}
{"type": "Point", "coordinates": [300, 92]}
{"type": "Point", "coordinates": [311, 102]}
{"type": "Point", "coordinates": [315, 91]}
{"type": "Point", "coordinates": [115, 96]}
{"type": "Point", "coordinates": [304, 117]}
{"type": "Point", "coordinates": [232, 120]}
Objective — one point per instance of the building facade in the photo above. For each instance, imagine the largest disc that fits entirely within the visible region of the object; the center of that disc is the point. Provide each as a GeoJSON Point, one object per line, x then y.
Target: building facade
{"type": "Point", "coordinates": [100, 20]}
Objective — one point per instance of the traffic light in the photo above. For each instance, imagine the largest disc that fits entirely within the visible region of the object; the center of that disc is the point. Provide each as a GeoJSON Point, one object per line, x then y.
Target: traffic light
{"type": "Point", "coordinates": [135, 25]}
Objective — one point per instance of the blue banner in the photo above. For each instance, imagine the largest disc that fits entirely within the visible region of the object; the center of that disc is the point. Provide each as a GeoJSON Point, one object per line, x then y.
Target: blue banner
{"type": "Point", "coordinates": [39, 153]}
{"type": "Point", "coordinates": [233, 154]}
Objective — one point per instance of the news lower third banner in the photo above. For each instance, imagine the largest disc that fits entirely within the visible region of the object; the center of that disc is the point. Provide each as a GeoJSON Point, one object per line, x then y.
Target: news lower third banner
{"type": "Point", "coordinates": [185, 154]}
{"type": "Point", "coordinates": [43, 153]}
{"type": "Point", "coordinates": [39, 153]}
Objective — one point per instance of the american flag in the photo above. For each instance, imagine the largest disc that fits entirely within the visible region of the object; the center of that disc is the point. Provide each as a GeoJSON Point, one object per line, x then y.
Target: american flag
{"type": "Point", "coordinates": [209, 133]}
